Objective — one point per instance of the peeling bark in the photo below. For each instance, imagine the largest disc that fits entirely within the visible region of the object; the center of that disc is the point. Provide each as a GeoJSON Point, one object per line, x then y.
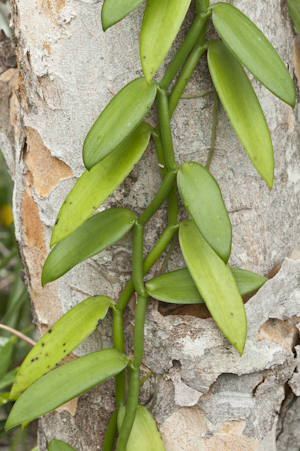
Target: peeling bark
{"type": "Point", "coordinates": [208, 397]}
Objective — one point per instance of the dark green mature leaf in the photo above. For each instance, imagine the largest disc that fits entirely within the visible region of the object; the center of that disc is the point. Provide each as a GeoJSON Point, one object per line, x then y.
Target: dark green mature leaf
{"type": "Point", "coordinates": [63, 337]}
{"type": "Point", "coordinates": [65, 383]}
{"type": "Point", "coordinates": [203, 200]}
{"type": "Point", "coordinates": [215, 283]}
{"type": "Point", "coordinates": [59, 445]}
{"type": "Point", "coordinates": [294, 10]}
{"type": "Point", "coordinates": [96, 234]}
{"type": "Point", "coordinates": [253, 50]}
{"type": "Point", "coordinates": [144, 435]}
{"type": "Point", "coordinates": [118, 120]}
{"type": "Point", "coordinates": [162, 21]}
{"type": "Point", "coordinates": [242, 107]}
{"type": "Point", "coordinates": [115, 10]}
{"type": "Point", "coordinates": [96, 185]}
{"type": "Point", "coordinates": [178, 287]}
{"type": "Point", "coordinates": [6, 349]}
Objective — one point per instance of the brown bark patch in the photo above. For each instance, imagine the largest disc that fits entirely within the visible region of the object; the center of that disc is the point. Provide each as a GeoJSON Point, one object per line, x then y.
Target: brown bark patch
{"type": "Point", "coordinates": [46, 170]}
{"type": "Point", "coordinates": [283, 333]}
{"type": "Point", "coordinates": [297, 62]}
{"type": "Point", "coordinates": [52, 7]}
{"type": "Point", "coordinates": [229, 437]}
{"type": "Point", "coordinates": [33, 229]}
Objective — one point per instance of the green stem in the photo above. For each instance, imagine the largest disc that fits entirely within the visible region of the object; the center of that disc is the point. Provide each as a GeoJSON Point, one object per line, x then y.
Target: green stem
{"type": "Point", "coordinates": [213, 130]}
{"type": "Point", "coordinates": [185, 76]}
{"type": "Point", "coordinates": [137, 259]}
{"type": "Point", "coordinates": [165, 129]}
{"type": "Point", "coordinates": [145, 378]}
{"type": "Point", "coordinates": [111, 432]}
{"type": "Point", "coordinates": [118, 334]}
{"type": "Point", "coordinates": [161, 195]}
{"type": "Point", "coordinates": [170, 252]}
{"type": "Point", "coordinates": [134, 374]}
{"type": "Point", "coordinates": [196, 96]}
{"type": "Point", "coordinates": [185, 48]}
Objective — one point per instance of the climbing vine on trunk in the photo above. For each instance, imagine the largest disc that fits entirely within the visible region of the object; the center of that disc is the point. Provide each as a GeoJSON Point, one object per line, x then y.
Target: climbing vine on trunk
{"type": "Point", "coordinates": [114, 144]}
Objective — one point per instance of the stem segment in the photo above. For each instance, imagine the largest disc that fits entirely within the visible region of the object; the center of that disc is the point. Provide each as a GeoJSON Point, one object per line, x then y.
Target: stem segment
{"type": "Point", "coordinates": [134, 374]}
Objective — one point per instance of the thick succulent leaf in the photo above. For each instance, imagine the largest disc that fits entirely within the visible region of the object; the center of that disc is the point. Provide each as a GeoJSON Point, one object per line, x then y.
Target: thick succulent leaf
{"type": "Point", "coordinates": [96, 185]}
{"type": "Point", "coordinates": [144, 435]}
{"type": "Point", "coordinates": [178, 287]}
{"type": "Point", "coordinates": [215, 283]}
{"type": "Point", "coordinates": [63, 337]}
{"type": "Point", "coordinates": [65, 383]}
{"type": "Point", "coordinates": [161, 23]}
{"type": "Point", "coordinates": [294, 10]}
{"type": "Point", "coordinates": [59, 445]}
{"type": "Point", "coordinates": [118, 120]}
{"type": "Point", "coordinates": [253, 50]}
{"type": "Point", "coordinates": [115, 10]}
{"type": "Point", "coordinates": [6, 349]}
{"type": "Point", "coordinates": [96, 234]}
{"type": "Point", "coordinates": [242, 107]}
{"type": "Point", "coordinates": [203, 199]}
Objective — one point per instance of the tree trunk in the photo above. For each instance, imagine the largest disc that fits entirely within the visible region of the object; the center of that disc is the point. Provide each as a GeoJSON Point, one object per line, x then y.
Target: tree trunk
{"type": "Point", "coordinates": [208, 397]}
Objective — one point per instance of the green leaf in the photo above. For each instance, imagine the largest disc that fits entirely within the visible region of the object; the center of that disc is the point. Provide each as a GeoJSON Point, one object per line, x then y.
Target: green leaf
{"type": "Point", "coordinates": [118, 120]}
{"type": "Point", "coordinates": [144, 435]}
{"type": "Point", "coordinates": [59, 445]}
{"type": "Point", "coordinates": [96, 234]}
{"type": "Point", "coordinates": [4, 398]}
{"type": "Point", "coordinates": [6, 349]}
{"type": "Point", "coordinates": [215, 283]}
{"type": "Point", "coordinates": [115, 10]}
{"type": "Point", "coordinates": [8, 379]}
{"type": "Point", "coordinates": [95, 186]}
{"type": "Point", "coordinates": [65, 383]}
{"type": "Point", "coordinates": [294, 10]}
{"type": "Point", "coordinates": [63, 337]}
{"type": "Point", "coordinates": [253, 50]}
{"type": "Point", "coordinates": [242, 107]}
{"type": "Point", "coordinates": [161, 23]}
{"type": "Point", "coordinates": [178, 287]}
{"type": "Point", "coordinates": [203, 200]}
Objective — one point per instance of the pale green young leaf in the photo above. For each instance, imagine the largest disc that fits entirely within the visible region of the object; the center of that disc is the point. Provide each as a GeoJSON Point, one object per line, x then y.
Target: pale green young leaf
{"type": "Point", "coordinates": [294, 10]}
{"type": "Point", "coordinates": [144, 435]}
{"type": "Point", "coordinates": [242, 107]}
{"type": "Point", "coordinates": [161, 23]}
{"type": "Point", "coordinates": [60, 340]}
{"type": "Point", "coordinates": [215, 283]}
{"type": "Point", "coordinates": [96, 185]}
{"type": "Point", "coordinates": [115, 10]}
{"type": "Point", "coordinates": [96, 234]}
{"type": "Point", "coordinates": [253, 50]}
{"type": "Point", "coordinates": [203, 199]}
{"type": "Point", "coordinates": [178, 287]}
{"type": "Point", "coordinates": [59, 445]}
{"type": "Point", "coordinates": [65, 383]}
{"type": "Point", "coordinates": [118, 120]}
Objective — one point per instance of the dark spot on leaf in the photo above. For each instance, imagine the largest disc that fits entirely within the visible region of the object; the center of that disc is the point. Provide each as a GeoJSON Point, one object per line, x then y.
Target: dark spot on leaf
{"type": "Point", "coordinates": [65, 351]}
{"type": "Point", "coordinates": [99, 322]}
{"type": "Point", "coordinates": [49, 331]}
{"type": "Point", "coordinates": [70, 203]}
{"type": "Point", "coordinates": [46, 355]}
{"type": "Point", "coordinates": [231, 314]}
{"type": "Point", "coordinates": [144, 57]}
{"type": "Point", "coordinates": [37, 358]}
{"type": "Point", "coordinates": [32, 360]}
{"type": "Point", "coordinates": [64, 344]}
{"type": "Point", "coordinates": [56, 364]}
{"type": "Point", "coordinates": [43, 344]}
{"type": "Point", "coordinates": [56, 222]}
{"type": "Point", "coordinates": [48, 366]}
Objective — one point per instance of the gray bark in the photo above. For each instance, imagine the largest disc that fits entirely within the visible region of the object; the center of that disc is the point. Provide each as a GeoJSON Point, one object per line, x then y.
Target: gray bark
{"type": "Point", "coordinates": [209, 398]}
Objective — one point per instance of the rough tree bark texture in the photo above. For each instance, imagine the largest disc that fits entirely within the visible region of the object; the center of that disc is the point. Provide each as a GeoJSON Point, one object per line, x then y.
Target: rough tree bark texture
{"type": "Point", "coordinates": [209, 398]}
